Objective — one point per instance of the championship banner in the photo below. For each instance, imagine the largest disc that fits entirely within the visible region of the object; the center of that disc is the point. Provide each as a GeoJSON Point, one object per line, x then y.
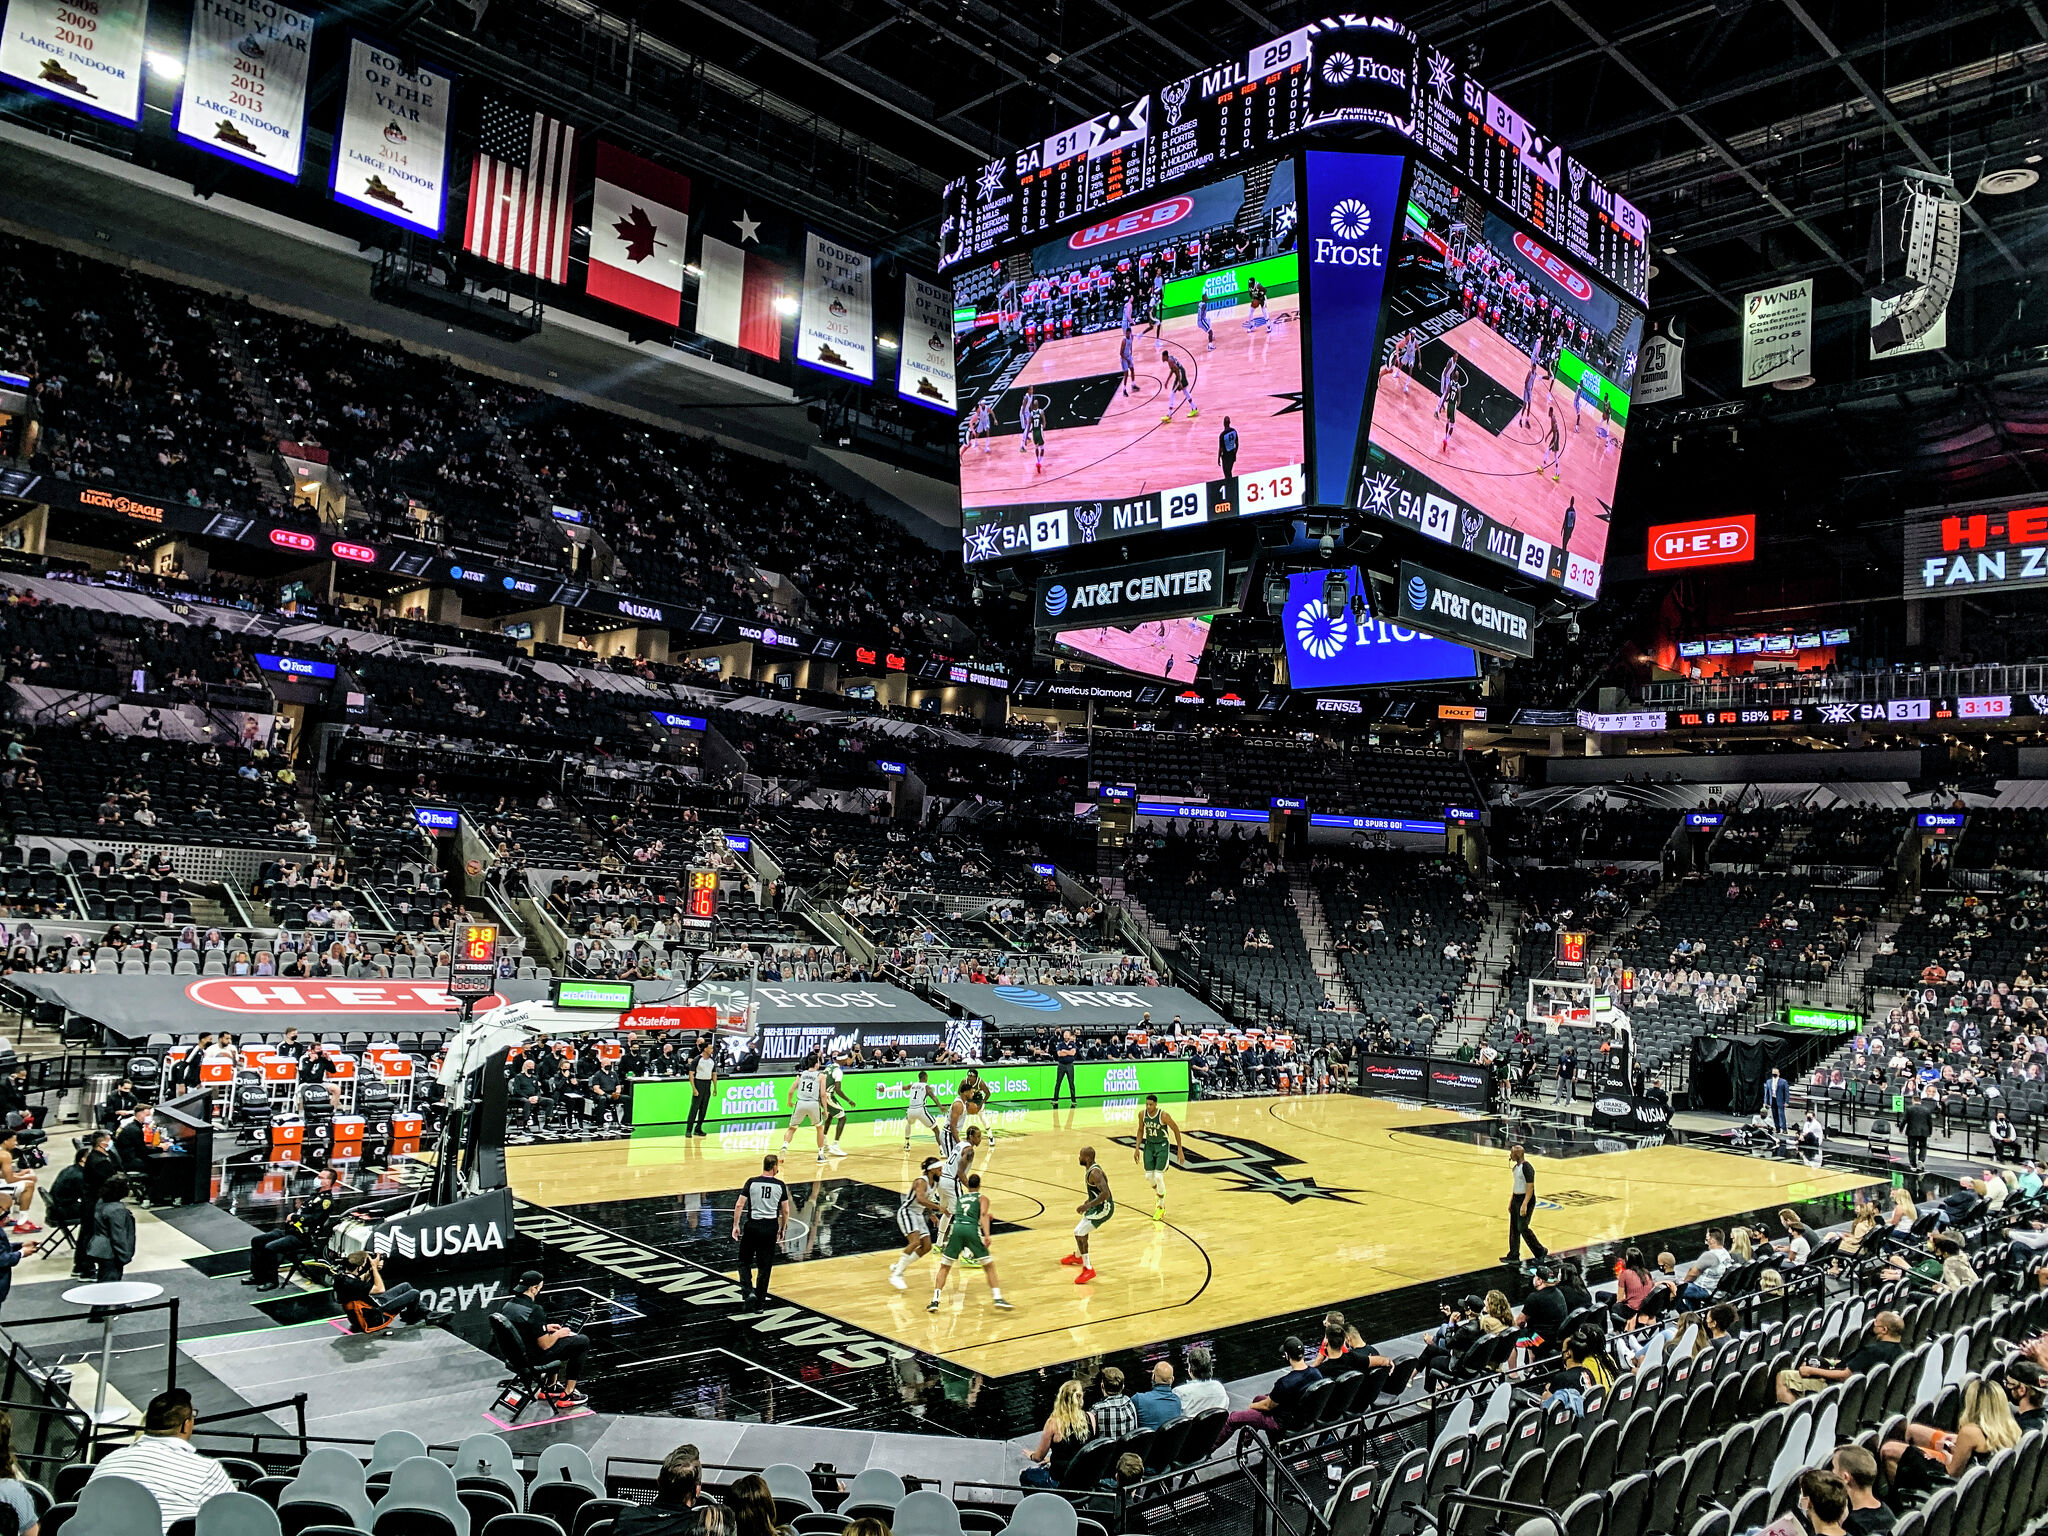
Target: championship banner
{"type": "Point", "coordinates": [1777, 333]}
{"type": "Point", "coordinates": [391, 149]}
{"type": "Point", "coordinates": [836, 327]}
{"type": "Point", "coordinates": [924, 360]}
{"type": "Point", "coordinates": [244, 95]}
{"type": "Point", "coordinates": [85, 52]}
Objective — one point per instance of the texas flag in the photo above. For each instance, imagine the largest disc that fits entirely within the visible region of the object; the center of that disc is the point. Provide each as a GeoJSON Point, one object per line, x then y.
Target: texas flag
{"type": "Point", "coordinates": [639, 234]}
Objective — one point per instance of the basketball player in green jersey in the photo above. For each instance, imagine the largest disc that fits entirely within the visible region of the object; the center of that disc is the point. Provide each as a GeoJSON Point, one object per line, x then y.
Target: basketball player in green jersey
{"type": "Point", "coordinates": [1094, 1211]}
{"type": "Point", "coordinates": [968, 1235]}
{"type": "Point", "coordinates": [1155, 1125]}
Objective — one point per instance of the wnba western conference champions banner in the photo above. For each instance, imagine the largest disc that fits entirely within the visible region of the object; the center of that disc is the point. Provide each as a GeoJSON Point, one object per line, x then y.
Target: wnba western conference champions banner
{"type": "Point", "coordinates": [924, 362]}
{"type": "Point", "coordinates": [86, 52]}
{"type": "Point", "coordinates": [391, 154]}
{"type": "Point", "coordinates": [244, 95]}
{"type": "Point", "coordinates": [836, 329]}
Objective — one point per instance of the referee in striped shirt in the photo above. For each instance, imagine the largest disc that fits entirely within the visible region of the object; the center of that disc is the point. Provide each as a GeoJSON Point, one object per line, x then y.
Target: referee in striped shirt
{"type": "Point", "coordinates": [165, 1462]}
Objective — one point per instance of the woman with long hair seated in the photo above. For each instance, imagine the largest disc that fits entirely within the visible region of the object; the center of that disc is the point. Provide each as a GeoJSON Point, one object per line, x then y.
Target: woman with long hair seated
{"type": "Point", "coordinates": [1066, 1431]}
{"type": "Point", "coordinates": [1984, 1427]}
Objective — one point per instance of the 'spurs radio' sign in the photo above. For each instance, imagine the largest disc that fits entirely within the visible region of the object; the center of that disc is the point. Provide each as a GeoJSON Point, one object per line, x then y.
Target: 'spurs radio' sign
{"type": "Point", "coordinates": [1131, 593]}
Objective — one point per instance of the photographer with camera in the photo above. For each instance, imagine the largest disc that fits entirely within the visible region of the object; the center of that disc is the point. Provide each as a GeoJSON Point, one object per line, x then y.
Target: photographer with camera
{"type": "Point", "coordinates": [1443, 1348]}
{"type": "Point", "coordinates": [370, 1304]}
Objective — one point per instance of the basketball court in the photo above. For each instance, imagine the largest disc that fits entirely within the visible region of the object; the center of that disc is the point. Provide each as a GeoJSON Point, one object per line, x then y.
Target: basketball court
{"type": "Point", "coordinates": [1495, 458]}
{"type": "Point", "coordinates": [1287, 1206]}
{"type": "Point", "coordinates": [1103, 442]}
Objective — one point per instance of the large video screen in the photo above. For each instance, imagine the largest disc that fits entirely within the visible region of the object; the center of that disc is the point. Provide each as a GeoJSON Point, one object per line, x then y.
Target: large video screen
{"type": "Point", "coordinates": [1355, 650]}
{"type": "Point", "coordinates": [1164, 648]}
{"type": "Point", "coordinates": [1143, 373]}
{"type": "Point", "coordinates": [1501, 406]}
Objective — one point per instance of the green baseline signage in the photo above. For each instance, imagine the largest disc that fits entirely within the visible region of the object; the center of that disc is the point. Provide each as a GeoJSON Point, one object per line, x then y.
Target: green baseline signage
{"type": "Point", "coordinates": [666, 1101]}
{"type": "Point", "coordinates": [1278, 275]}
{"type": "Point", "coordinates": [1832, 1021]}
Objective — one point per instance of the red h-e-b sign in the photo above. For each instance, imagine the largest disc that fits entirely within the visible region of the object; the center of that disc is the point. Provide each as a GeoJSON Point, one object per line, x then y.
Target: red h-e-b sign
{"type": "Point", "coordinates": [1716, 541]}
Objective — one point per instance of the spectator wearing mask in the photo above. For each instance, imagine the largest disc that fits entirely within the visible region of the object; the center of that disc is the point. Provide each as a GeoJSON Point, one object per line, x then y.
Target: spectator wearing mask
{"type": "Point", "coordinates": [166, 1462]}
{"type": "Point", "coordinates": [1888, 1331]}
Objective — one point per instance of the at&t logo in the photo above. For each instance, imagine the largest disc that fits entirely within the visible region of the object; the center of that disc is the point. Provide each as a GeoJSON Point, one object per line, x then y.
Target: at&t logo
{"type": "Point", "coordinates": [1418, 594]}
{"type": "Point", "coordinates": [1056, 600]}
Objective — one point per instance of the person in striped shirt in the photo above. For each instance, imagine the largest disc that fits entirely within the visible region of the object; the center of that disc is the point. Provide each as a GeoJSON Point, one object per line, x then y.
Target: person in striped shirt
{"type": "Point", "coordinates": [165, 1461]}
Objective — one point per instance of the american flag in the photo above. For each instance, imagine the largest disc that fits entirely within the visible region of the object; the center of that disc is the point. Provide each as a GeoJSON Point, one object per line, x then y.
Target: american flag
{"type": "Point", "coordinates": [520, 192]}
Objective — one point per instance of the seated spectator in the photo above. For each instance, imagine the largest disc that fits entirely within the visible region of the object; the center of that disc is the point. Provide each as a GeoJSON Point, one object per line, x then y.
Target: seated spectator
{"type": "Point", "coordinates": [1114, 1415]}
{"type": "Point", "coordinates": [1201, 1392]}
{"type": "Point", "coordinates": [1278, 1402]}
{"type": "Point", "coordinates": [1984, 1426]}
{"type": "Point", "coordinates": [1857, 1468]}
{"type": "Point", "coordinates": [1066, 1430]}
{"type": "Point", "coordinates": [1704, 1277]}
{"type": "Point", "coordinates": [750, 1508]}
{"type": "Point", "coordinates": [165, 1461]}
{"type": "Point", "coordinates": [1824, 1501]}
{"type": "Point", "coordinates": [1888, 1330]}
{"type": "Point", "coordinates": [1161, 1405]}
{"type": "Point", "coordinates": [679, 1500]}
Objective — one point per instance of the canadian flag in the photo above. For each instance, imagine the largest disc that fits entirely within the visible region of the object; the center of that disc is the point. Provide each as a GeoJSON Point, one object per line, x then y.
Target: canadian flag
{"type": "Point", "coordinates": [639, 233]}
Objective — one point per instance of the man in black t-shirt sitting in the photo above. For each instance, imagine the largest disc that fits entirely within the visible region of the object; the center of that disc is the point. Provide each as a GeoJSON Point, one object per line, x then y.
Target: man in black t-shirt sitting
{"type": "Point", "coordinates": [1274, 1409]}
{"type": "Point", "coordinates": [1888, 1331]}
{"type": "Point", "coordinates": [547, 1344]}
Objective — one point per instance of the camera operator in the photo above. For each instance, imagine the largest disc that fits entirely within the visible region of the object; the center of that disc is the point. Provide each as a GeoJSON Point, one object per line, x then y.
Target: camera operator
{"type": "Point", "coordinates": [371, 1304]}
{"type": "Point", "coordinates": [1443, 1348]}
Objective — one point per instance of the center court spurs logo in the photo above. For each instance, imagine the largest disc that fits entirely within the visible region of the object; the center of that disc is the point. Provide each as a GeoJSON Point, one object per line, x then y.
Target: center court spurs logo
{"type": "Point", "coordinates": [1255, 1167]}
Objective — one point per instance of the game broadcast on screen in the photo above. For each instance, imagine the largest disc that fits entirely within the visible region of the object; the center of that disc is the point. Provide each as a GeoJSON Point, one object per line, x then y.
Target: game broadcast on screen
{"type": "Point", "coordinates": [1143, 374]}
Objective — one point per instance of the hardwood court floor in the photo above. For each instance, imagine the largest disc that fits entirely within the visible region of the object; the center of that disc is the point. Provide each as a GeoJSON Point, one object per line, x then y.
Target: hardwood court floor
{"type": "Point", "coordinates": [1253, 377]}
{"type": "Point", "coordinates": [1499, 473]}
{"type": "Point", "coordinates": [1289, 1205]}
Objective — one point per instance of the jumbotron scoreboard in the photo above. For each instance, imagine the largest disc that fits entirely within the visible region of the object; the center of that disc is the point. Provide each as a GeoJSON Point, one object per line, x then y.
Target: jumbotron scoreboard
{"type": "Point", "coordinates": [1338, 274]}
{"type": "Point", "coordinates": [1369, 71]}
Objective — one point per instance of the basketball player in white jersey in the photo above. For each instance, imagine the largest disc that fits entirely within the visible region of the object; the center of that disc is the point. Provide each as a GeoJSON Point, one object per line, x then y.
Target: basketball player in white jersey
{"type": "Point", "coordinates": [807, 1104]}
{"type": "Point", "coordinates": [915, 1214]}
{"type": "Point", "coordinates": [917, 1108]}
{"type": "Point", "coordinates": [955, 1166]}
{"type": "Point", "coordinates": [981, 424]}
